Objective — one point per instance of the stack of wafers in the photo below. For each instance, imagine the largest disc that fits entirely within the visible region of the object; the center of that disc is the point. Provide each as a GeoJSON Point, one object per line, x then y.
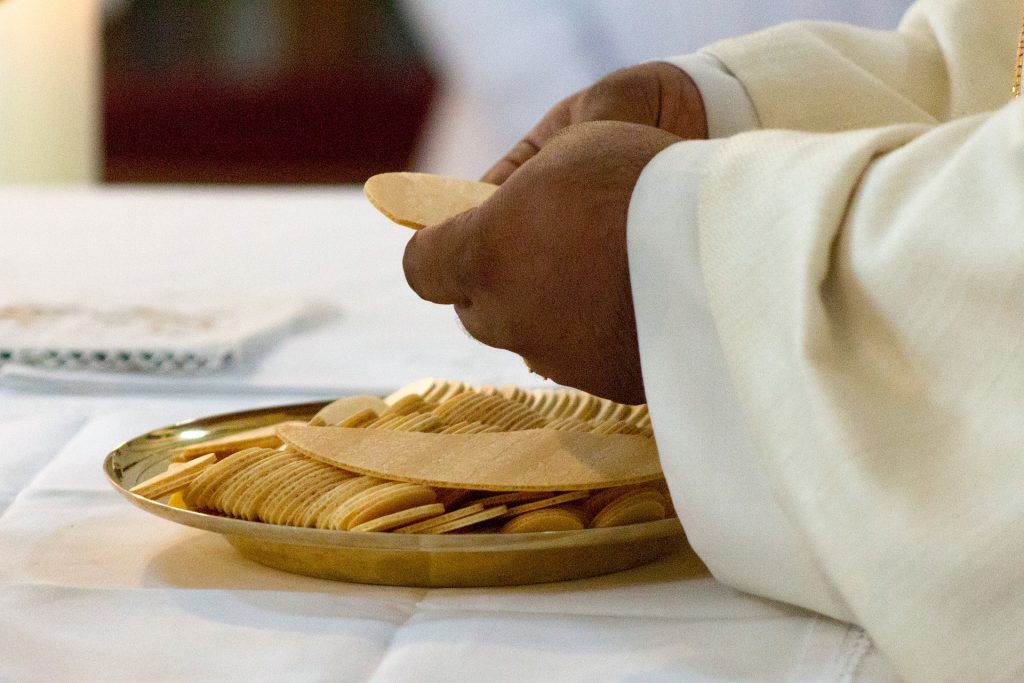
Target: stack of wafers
{"type": "Point", "coordinates": [437, 456]}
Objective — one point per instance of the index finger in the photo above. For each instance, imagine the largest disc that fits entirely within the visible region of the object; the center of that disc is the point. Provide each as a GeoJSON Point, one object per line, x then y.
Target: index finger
{"type": "Point", "coordinates": [559, 117]}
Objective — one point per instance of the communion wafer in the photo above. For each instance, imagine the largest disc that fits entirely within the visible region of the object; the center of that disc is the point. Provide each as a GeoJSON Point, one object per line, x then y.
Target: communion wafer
{"type": "Point", "coordinates": [533, 459]}
{"type": "Point", "coordinates": [510, 497]}
{"type": "Point", "coordinates": [174, 480]}
{"type": "Point", "coordinates": [514, 393]}
{"type": "Point", "coordinates": [406, 405]}
{"type": "Point", "coordinates": [587, 407]}
{"type": "Point", "coordinates": [400, 518]}
{"type": "Point", "coordinates": [417, 200]}
{"type": "Point", "coordinates": [564, 403]}
{"type": "Point", "coordinates": [613, 427]}
{"type": "Point", "coordinates": [264, 437]}
{"type": "Point", "coordinates": [469, 428]}
{"type": "Point", "coordinates": [468, 521]}
{"type": "Point", "coordinates": [322, 508]}
{"type": "Point", "coordinates": [445, 390]}
{"type": "Point", "coordinates": [395, 498]}
{"type": "Point", "coordinates": [252, 482]}
{"type": "Point", "coordinates": [568, 424]}
{"type": "Point", "coordinates": [426, 525]}
{"type": "Point", "coordinates": [450, 497]}
{"type": "Point", "coordinates": [376, 501]}
{"type": "Point", "coordinates": [547, 519]}
{"type": "Point", "coordinates": [599, 499]}
{"type": "Point", "coordinates": [296, 512]}
{"type": "Point", "coordinates": [548, 502]}
{"type": "Point", "coordinates": [285, 486]}
{"type": "Point", "coordinates": [422, 422]}
{"type": "Point", "coordinates": [344, 408]}
{"type": "Point", "coordinates": [430, 389]}
{"type": "Point", "coordinates": [384, 422]}
{"type": "Point", "coordinates": [631, 508]}
{"type": "Point", "coordinates": [211, 478]}
{"type": "Point", "coordinates": [320, 493]}
{"type": "Point", "coordinates": [256, 474]}
{"type": "Point", "coordinates": [362, 418]}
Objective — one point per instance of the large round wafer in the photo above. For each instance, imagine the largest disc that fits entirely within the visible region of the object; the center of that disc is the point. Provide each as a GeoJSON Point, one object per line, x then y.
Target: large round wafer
{"type": "Point", "coordinates": [417, 200]}
{"type": "Point", "coordinates": [534, 459]}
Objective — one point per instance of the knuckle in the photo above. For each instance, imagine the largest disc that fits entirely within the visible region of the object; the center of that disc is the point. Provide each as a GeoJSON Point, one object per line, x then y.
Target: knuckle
{"type": "Point", "coordinates": [625, 95]}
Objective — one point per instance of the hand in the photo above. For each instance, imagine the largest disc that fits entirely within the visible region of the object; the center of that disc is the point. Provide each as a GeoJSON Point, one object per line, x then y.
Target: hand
{"type": "Point", "coordinates": [654, 94]}
{"type": "Point", "coordinates": [541, 268]}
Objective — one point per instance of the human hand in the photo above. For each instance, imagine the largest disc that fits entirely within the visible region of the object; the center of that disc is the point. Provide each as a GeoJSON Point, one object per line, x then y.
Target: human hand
{"type": "Point", "coordinates": [654, 94]}
{"type": "Point", "coordinates": [541, 267]}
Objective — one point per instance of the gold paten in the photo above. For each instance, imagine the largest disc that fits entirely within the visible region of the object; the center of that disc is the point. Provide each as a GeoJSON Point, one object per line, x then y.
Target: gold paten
{"type": "Point", "coordinates": [431, 560]}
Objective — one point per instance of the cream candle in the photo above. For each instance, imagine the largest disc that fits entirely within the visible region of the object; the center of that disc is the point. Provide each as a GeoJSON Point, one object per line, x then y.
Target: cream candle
{"type": "Point", "coordinates": [49, 91]}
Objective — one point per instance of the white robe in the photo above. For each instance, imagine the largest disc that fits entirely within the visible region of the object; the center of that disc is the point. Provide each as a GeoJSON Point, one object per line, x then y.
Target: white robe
{"type": "Point", "coordinates": [863, 265]}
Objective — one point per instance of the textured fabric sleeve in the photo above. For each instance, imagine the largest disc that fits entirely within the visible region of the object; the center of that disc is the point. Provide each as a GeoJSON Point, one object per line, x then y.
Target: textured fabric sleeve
{"type": "Point", "coordinates": [949, 58]}
{"type": "Point", "coordinates": [718, 482]}
{"type": "Point", "coordinates": [867, 291]}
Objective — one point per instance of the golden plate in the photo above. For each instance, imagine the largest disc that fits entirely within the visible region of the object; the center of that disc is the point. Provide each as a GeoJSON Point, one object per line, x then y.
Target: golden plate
{"type": "Point", "coordinates": [384, 558]}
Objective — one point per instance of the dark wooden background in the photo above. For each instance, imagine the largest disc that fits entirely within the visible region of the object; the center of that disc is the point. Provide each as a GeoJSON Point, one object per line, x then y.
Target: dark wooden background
{"type": "Point", "coordinates": [260, 91]}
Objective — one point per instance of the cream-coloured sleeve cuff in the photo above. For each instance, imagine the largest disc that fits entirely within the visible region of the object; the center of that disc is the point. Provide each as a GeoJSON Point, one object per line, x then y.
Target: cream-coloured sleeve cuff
{"type": "Point", "coordinates": [728, 107]}
{"type": "Point", "coordinates": [718, 483]}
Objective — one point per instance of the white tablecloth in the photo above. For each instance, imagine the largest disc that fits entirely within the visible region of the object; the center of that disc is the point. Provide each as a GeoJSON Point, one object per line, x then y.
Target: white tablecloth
{"type": "Point", "coordinates": [94, 589]}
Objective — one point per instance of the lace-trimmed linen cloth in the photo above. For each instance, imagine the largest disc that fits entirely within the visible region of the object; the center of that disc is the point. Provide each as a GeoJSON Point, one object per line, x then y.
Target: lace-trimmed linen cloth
{"type": "Point", "coordinates": [142, 338]}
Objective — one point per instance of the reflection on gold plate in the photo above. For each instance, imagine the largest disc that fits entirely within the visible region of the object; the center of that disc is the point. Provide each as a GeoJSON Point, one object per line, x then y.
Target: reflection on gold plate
{"type": "Point", "coordinates": [434, 560]}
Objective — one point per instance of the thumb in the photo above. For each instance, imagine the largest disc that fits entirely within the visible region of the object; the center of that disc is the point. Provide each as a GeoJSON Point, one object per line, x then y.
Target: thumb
{"type": "Point", "coordinates": [438, 258]}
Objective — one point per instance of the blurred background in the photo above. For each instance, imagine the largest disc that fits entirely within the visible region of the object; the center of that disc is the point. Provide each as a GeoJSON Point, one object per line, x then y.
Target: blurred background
{"type": "Point", "coordinates": [323, 91]}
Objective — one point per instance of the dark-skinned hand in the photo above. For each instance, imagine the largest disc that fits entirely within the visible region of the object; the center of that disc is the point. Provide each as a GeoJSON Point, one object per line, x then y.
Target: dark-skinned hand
{"type": "Point", "coordinates": [541, 267]}
{"type": "Point", "coordinates": [654, 94]}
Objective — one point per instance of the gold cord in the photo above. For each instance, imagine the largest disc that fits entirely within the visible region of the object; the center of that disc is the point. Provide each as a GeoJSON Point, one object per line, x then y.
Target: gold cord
{"type": "Point", "coordinates": [1015, 91]}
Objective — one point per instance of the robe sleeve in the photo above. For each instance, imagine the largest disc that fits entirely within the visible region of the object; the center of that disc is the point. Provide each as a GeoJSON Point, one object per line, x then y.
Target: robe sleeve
{"type": "Point", "coordinates": [868, 292]}
{"type": "Point", "coordinates": [949, 58]}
